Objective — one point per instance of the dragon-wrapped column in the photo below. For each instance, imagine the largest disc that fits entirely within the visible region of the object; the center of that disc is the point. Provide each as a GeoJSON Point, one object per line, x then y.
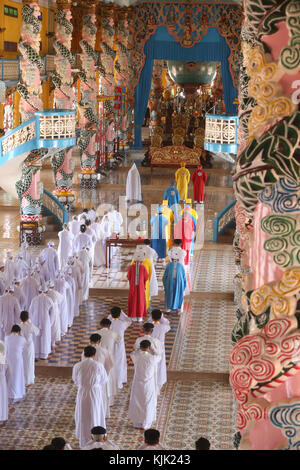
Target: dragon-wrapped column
{"type": "Point", "coordinates": [265, 360]}
{"type": "Point", "coordinates": [64, 97]}
{"type": "Point", "coordinates": [29, 189]}
{"type": "Point", "coordinates": [87, 105]}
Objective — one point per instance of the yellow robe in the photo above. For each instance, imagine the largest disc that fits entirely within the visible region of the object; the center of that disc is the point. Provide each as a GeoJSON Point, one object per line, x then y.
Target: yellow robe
{"type": "Point", "coordinates": [148, 265]}
{"type": "Point", "coordinates": [182, 177]}
{"type": "Point", "coordinates": [168, 214]}
{"type": "Point", "coordinates": [191, 211]}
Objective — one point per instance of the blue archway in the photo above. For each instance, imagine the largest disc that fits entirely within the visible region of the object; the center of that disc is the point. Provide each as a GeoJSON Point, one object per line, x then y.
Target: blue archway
{"type": "Point", "coordinates": [162, 45]}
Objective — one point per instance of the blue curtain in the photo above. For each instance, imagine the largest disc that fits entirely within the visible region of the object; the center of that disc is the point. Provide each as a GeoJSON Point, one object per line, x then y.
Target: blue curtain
{"type": "Point", "coordinates": [162, 46]}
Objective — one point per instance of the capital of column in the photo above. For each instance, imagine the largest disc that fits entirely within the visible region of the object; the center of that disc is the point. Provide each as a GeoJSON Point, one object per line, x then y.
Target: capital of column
{"type": "Point", "coordinates": [64, 4]}
{"type": "Point", "coordinates": [30, 2]}
{"type": "Point", "coordinates": [89, 6]}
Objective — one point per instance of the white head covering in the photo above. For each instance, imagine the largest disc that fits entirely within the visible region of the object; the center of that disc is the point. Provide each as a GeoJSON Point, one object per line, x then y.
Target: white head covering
{"type": "Point", "coordinates": [19, 256]}
{"type": "Point", "coordinates": [2, 352]}
{"type": "Point", "coordinates": [11, 288]}
{"type": "Point", "coordinates": [9, 255]}
{"type": "Point", "coordinates": [50, 284]}
{"type": "Point", "coordinates": [139, 256]}
{"type": "Point", "coordinates": [51, 243]}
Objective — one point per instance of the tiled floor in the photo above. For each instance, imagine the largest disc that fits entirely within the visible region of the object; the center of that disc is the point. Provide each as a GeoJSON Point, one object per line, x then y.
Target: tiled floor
{"type": "Point", "coordinates": [198, 342]}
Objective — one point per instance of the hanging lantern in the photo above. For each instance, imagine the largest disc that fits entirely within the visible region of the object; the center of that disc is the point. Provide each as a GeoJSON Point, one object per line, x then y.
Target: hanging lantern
{"type": "Point", "coordinates": [118, 97]}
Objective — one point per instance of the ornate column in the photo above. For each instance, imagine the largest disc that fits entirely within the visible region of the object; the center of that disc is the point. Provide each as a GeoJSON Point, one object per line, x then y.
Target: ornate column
{"type": "Point", "coordinates": [87, 105]}
{"type": "Point", "coordinates": [64, 98]}
{"type": "Point", "coordinates": [265, 371]}
{"type": "Point", "coordinates": [29, 187]}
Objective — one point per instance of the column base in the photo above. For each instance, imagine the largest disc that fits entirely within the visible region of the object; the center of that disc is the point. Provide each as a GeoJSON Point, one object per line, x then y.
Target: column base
{"type": "Point", "coordinates": [88, 181]}
{"type": "Point", "coordinates": [31, 232]}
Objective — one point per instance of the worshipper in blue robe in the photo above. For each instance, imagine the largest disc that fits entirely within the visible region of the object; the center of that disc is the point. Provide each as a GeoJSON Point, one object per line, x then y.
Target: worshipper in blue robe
{"type": "Point", "coordinates": [175, 282]}
{"type": "Point", "coordinates": [158, 233]}
{"type": "Point", "coordinates": [173, 197]}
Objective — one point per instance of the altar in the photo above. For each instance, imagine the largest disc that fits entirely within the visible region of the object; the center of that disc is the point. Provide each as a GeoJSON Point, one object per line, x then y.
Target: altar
{"type": "Point", "coordinates": [174, 155]}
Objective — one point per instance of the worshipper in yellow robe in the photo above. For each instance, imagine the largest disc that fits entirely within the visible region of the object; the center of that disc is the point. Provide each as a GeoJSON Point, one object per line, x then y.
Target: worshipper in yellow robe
{"type": "Point", "coordinates": [182, 177]}
{"type": "Point", "coordinates": [169, 215]}
{"type": "Point", "coordinates": [148, 265]}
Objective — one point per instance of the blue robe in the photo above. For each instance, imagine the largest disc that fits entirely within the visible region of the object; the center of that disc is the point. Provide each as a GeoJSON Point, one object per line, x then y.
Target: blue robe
{"type": "Point", "coordinates": [173, 197]}
{"type": "Point", "coordinates": [174, 287]}
{"type": "Point", "coordinates": [158, 235]}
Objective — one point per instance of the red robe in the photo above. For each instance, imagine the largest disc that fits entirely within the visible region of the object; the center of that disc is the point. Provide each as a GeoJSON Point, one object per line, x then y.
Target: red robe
{"type": "Point", "coordinates": [136, 297]}
{"type": "Point", "coordinates": [199, 181]}
{"type": "Point", "coordinates": [184, 229]}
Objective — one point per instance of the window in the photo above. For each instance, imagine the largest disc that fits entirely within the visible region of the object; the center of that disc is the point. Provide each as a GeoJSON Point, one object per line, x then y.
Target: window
{"type": "Point", "coordinates": [10, 46]}
{"type": "Point", "coordinates": [10, 11]}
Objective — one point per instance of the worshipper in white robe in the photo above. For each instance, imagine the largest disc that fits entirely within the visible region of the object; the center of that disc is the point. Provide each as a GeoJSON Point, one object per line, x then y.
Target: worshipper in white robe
{"type": "Point", "coordinates": [14, 346]}
{"type": "Point", "coordinates": [10, 268]}
{"type": "Point", "coordinates": [28, 331]}
{"type": "Point", "coordinates": [82, 239]}
{"type": "Point", "coordinates": [89, 377]}
{"type": "Point", "coordinates": [74, 225]}
{"type": "Point", "coordinates": [28, 257]}
{"type": "Point", "coordinates": [37, 273]}
{"type": "Point", "coordinates": [50, 256]}
{"type": "Point", "coordinates": [75, 274]}
{"type": "Point", "coordinates": [4, 377]}
{"type": "Point", "coordinates": [3, 282]}
{"type": "Point", "coordinates": [144, 390]}
{"type": "Point", "coordinates": [44, 271]}
{"type": "Point", "coordinates": [9, 312]}
{"type": "Point", "coordinates": [19, 294]}
{"type": "Point", "coordinates": [161, 327]}
{"type": "Point", "coordinates": [79, 266]}
{"type": "Point", "coordinates": [64, 288]}
{"type": "Point", "coordinates": [103, 232]}
{"type": "Point", "coordinates": [21, 267]}
{"type": "Point", "coordinates": [133, 185]}
{"type": "Point", "coordinates": [91, 233]}
{"type": "Point", "coordinates": [119, 323]}
{"type": "Point", "coordinates": [151, 254]}
{"type": "Point", "coordinates": [42, 316]}
{"type": "Point", "coordinates": [102, 356]}
{"type": "Point", "coordinates": [83, 216]}
{"type": "Point", "coordinates": [178, 250]}
{"type": "Point", "coordinates": [30, 288]}
{"type": "Point", "coordinates": [99, 440]}
{"type": "Point", "coordinates": [86, 262]}
{"type": "Point", "coordinates": [109, 339]}
{"type": "Point", "coordinates": [151, 437]}
{"type": "Point", "coordinates": [69, 278]}
{"type": "Point", "coordinates": [116, 220]}
{"type": "Point", "coordinates": [156, 346]}
{"type": "Point", "coordinates": [65, 246]}
{"type": "Point", "coordinates": [57, 300]}
{"type": "Point", "coordinates": [92, 214]}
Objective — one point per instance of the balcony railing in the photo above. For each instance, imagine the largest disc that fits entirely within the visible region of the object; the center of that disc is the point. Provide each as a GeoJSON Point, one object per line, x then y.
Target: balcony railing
{"type": "Point", "coordinates": [52, 206]}
{"type": "Point", "coordinates": [221, 133]}
{"type": "Point", "coordinates": [223, 220]}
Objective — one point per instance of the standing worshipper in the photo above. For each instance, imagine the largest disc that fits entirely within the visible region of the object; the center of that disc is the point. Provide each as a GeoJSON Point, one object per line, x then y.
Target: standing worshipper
{"type": "Point", "coordinates": [158, 233]}
{"type": "Point", "coordinates": [92, 214]}
{"type": "Point", "coordinates": [184, 230]}
{"type": "Point", "coordinates": [9, 312]}
{"type": "Point", "coordinates": [28, 331]}
{"type": "Point", "coordinates": [51, 259]}
{"type": "Point", "coordinates": [151, 254]}
{"type": "Point", "coordinates": [19, 294]}
{"type": "Point", "coordinates": [86, 261]}
{"type": "Point", "coordinates": [3, 284]}
{"type": "Point", "coordinates": [82, 239]}
{"type": "Point", "coordinates": [182, 177]}
{"type": "Point", "coordinates": [156, 346]}
{"type": "Point", "coordinates": [148, 265]}
{"type": "Point", "coordinates": [65, 246]}
{"type": "Point", "coordinates": [44, 272]}
{"type": "Point", "coordinates": [161, 327]}
{"type": "Point", "coordinates": [174, 281]}
{"type": "Point", "coordinates": [74, 226]}
{"type": "Point", "coordinates": [10, 268]}
{"type": "Point", "coordinates": [27, 255]}
{"type": "Point", "coordinates": [57, 300]}
{"type": "Point", "coordinates": [14, 346]}
{"type": "Point", "coordinates": [30, 288]}
{"type": "Point", "coordinates": [133, 185]}
{"type": "Point", "coordinates": [72, 284]}
{"type": "Point", "coordinates": [21, 267]}
{"type": "Point", "coordinates": [177, 249]}
{"type": "Point", "coordinates": [173, 197]}
{"type": "Point", "coordinates": [137, 276]}
{"type": "Point", "coordinates": [42, 315]}
{"type": "Point", "coordinates": [199, 178]}
{"type": "Point", "coordinates": [89, 377]}
{"type": "Point", "coordinates": [109, 340]}
{"type": "Point", "coordinates": [119, 323]}
{"type": "Point", "coordinates": [103, 232]}
{"type": "Point", "coordinates": [64, 288]}
{"type": "Point", "coordinates": [91, 233]}
{"type": "Point", "coordinates": [144, 391]}
{"type": "Point", "coordinates": [75, 274]}
{"type": "Point", "coordinates": [168, 214]}
{"type": "Point", "coordinates": [4, 377]}
{"type": "Point", "coordinates": [116, 220]}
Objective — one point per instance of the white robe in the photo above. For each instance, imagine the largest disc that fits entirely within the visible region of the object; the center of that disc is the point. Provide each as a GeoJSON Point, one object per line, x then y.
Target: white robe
{"type": "Point", "coordinates": [14, 346]}
{"type": "Point", "coordinates": [92, 215]}
{"type": "Point", "coordinates": [29, 330]}
{"type": "Point", "coordinates": [119, 326]}
{"type": "Point", "coordinates": [19, 295]}
{"type": "Point", "coordinates": [144, 391]}
{"type": "Point", "coordinates": [82, 240]}
{"type": "Point", "coordinates": [3, 283]}
{"type": "Point", "coordinates": [42, 316]}
{"type": "Point", "coordinates": [104, 445]}
{"type": "Point", "coordinates": [109, 339]}
{"type": "Point", "coordinates": [133, 185]}
{"type": "Point", "coordinates": [28, 257]}
{"type": "Point", "coordinates": [21, 268]}
{"type": "Point", "coordinates": [89, 377]}
{"type": "Point", "coordinates": [86, 262]}
{"type": "Point", "coordinates": [44, 273]}
{"type": "Point", "coordinates": [72, 285]}
{"type": "Point", "coordinates": [57, 300]}
{"type": "Point", "coordinates": [78, 288]}
{"type": "Point", "coordinates": [9, 314]}
{"type": "Point", "coordinates": [74, 226]}
{"type": "Point", "coordinates": [65, 247]}
{"type": "Point", "coordinates": [10, 271]}
{"type": "Point", "coordinates": [30, 288]}
{"type": "Point", "coordinates": [159, 332]}
{"type": "Point", "coordinates": [103, 232]}
{"type": "Point", "coordinates": [4, 377]}
{"type": "Point", "coordinates": [51, 260]}
{"type": "Point", "coordinates": [64, 288]}
{"type": "Point", "coordinates": [116, 220]}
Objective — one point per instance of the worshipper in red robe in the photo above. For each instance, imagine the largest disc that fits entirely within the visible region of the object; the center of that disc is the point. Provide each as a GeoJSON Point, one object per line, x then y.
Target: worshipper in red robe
{"type": "Point", "coordinates": [137, 276]}
{"type": "Point", "coordinates": [199, 178]}
{"type": "Point", "coordinates": [184, 230]}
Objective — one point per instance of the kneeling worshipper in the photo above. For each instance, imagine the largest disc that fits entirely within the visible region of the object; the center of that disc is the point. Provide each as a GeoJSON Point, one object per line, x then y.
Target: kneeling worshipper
{"type": "Point", "coordinates": [14, 346]}
{"type": "Point", "coordinates": [133, 185]}
{"type": "Point", "coordinates": [28, 331]}
{"type": "Point", "coordinates": [174, 281]}
{"type": "Point", "coordinates": [158, 233]}
{"type": "Point", "coordinates": [144, 389]}
{"type": "Point", "coordinates": [4, 375]}
{"type": "Point", "coordinates": [137, 276]}
{"type": "Point", "coordinates": [99, 440]}
{"type": "Point", "coordinates": [65, 245]}
{"type": "Point", "coordinates": [42, 316]}
{"type": "Point", "coordinates": [173, 197]}
{"type": "Point", "coordinates": [89, 377]}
